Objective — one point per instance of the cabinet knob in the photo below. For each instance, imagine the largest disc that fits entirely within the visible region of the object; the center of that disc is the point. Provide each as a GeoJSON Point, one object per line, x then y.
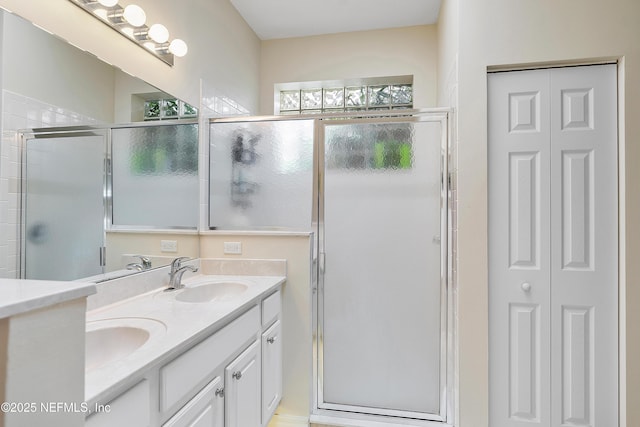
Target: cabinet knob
{"type": "Point", "coordinates": [271, 340]}
{"type": "Point", "coordinates": [237, 375]}
{"type": "Point", "coordinates": [220, 392]}
{"type": "Point", "coordinates": [526, 286]}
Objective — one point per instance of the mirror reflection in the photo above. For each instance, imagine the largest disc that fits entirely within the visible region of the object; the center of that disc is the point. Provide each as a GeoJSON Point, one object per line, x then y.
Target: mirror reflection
{"type": "Point", "coordinates": [143, 219]}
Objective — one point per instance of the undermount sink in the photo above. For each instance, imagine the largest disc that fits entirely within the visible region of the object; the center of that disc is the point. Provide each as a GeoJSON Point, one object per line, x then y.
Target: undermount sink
{"type": "Point", "coordinates": [218, 291]}
{"type": "Point", "coordinates": [112, 339]}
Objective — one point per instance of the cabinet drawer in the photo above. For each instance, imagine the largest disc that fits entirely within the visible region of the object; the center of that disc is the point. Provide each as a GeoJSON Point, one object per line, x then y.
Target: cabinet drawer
{"type": "Point", "coordinates": [271, 309]}
{"type": "Point", "coordinates": [182, 377]}
{"type": "Point", "coordinates": [131, 408]}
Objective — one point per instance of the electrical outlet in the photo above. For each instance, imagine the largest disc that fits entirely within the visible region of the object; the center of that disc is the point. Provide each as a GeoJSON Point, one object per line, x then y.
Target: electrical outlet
{"type": "Point", "coordinates": [168, 245]}
{"type": "Point", "coordinates": [233, 248]}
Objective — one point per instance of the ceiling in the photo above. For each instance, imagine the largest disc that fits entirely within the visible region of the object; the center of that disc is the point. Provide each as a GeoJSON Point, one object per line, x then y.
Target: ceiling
{"type": "Point", "coordinates": [274, 19]}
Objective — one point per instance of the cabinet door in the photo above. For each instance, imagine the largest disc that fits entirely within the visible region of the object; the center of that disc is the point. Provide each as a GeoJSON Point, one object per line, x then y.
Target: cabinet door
{"type": "Point", "coordinates": [271, 371]}
{"type": "Point", "coordinates": [242, 392]}
{"type": "Point", "coordinates": [131, 408]}
{"type": "Point", "coordinates": [206, 409]}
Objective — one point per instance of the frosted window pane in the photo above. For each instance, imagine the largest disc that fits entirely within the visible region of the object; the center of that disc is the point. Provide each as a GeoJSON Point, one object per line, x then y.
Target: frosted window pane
{"type": "Point", "coordinates": [386, 223]}
{"type": "Point", "coordinates": [155, 176]}
{"type": "Point", "coordinates": [188, 110]}
{"type": "Point", "coordinates": [311, 99]}
{"type": "Point", "coordinates": [402, 94]}
{"type": "Point", "coordinates": [170, 108]}
{"type": "Point", "coordinates": [355, 96]}
{"type": "Point", "coordinates": [64, 207]}
{"type": "Point", "coordinates": [334, 98]}
{"type": "Point", "coordinates": [379, 95]}
{"type": "Point", "coordinates": [152, 110]}
{"type": "Point", "coordinates": [261, 174]}
{"type": "Point", "coordinates": [386, 147]}
{"type": "Point", "coordinates": [290, 100]}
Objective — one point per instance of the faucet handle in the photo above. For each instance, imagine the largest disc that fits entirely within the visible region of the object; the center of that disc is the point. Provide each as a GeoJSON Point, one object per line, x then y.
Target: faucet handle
{"type": "Point", "coordinates": [144, 260]}
{"type": "Point", "coordinates": [177, 263]}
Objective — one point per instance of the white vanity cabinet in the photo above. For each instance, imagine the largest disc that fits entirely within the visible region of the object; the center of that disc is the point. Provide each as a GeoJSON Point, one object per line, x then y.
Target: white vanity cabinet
{"type": "Point", "coordinates": [230, 378]}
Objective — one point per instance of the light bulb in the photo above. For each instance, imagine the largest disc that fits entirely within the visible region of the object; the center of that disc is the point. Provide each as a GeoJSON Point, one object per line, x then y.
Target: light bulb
{"type": "Point", "coordinates": [134, 15]}
{"type": "Point", "coordinates": [101, 13]}
{"type": "Point", "coordinates": [159, 33]}
{"type": "Point", "coordinates": [128, 31]}
{"type": "Point", "coordinates": [178, 47]}
{"type": "Point", "coordinates": [108, 3]}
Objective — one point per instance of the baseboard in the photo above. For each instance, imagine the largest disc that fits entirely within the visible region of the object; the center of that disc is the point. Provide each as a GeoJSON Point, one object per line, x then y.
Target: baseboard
{"type": "Point", "coordinates": [288, 421]}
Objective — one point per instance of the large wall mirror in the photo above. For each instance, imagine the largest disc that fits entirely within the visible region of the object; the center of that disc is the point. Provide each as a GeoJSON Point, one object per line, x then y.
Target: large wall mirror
{"type": "Point", "coordinates": [84, 150]}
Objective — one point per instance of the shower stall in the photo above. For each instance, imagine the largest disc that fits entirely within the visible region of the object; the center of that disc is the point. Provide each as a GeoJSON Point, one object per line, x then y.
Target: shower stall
{"type": "Point", "coordinates": [373, 186]}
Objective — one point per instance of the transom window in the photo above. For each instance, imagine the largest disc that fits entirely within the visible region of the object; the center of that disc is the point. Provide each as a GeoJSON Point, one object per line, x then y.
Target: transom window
{"type": "Point", "coordinates": [312, 98]}
{"type": "Point", "coordinates": [168, 109]}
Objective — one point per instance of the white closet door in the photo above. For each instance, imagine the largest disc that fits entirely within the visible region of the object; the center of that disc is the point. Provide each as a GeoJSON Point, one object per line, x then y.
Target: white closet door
{"type": "Point", "coordinates": [584, 247]}
{"type": "Point", "coordinates": [553, 248]}
{"type": "Point", "coordinates": [519, 269]}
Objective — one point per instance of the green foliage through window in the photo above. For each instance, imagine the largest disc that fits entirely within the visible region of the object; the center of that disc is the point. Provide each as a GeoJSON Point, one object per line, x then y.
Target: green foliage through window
{"type": "Point", "coordinates": [168, 109]}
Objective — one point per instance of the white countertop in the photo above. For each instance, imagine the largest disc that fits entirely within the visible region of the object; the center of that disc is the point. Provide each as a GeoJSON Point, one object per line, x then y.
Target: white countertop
{"type": "Point", "coordinates": [21, 296]}
{"type": "Point", "coordinates": [185, 323]}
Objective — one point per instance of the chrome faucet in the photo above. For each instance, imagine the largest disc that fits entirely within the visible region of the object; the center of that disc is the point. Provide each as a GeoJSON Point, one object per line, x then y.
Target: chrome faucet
{"type": "Point", "coordinates": [144, 264]}
{"type": "Point", "coordinates": [145, 261]}
{"type": "Point", "coordinates": [177, 270]}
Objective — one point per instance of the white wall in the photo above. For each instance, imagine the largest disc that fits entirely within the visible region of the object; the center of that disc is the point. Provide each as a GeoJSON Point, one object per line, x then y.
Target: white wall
{"type": "Point", "coordinates": [504, 32]}
{"type": "Point", "coordinates": [394, 52]}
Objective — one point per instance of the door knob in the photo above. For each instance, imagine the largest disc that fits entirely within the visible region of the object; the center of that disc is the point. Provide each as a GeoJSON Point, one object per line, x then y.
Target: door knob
{"type": "Point", "coordinates": [237, 375]}
{"type": "Point", "coordinates": [526, 286]}
{"type": "Point", "coordinates": [271, 340]}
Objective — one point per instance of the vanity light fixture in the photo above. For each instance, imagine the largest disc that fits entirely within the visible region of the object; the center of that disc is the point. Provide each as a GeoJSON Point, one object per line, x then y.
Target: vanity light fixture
{"type": "Point", "coordinates": [130, 21]}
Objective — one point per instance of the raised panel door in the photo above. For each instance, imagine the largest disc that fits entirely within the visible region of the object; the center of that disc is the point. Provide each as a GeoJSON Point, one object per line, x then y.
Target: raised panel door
{"type": "Point", "coordinates": [519, 270]}
{"type": "Point", "coordinates": [584, 247]}
{"type": "Point", "coordinates": [553, 281]}
{"type": "Point", "coordinates": [242, 389]}
{"type": "Point", "coordinates": [271, 371]}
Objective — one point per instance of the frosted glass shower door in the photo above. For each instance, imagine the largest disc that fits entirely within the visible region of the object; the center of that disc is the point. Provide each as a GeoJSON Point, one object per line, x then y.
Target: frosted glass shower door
{"type": "Point", "coordinates": [64, 210]}
{"type": "Point", "coordinates": [382, 310]}
{"type": "Point", "coordinates": [261, 174]}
